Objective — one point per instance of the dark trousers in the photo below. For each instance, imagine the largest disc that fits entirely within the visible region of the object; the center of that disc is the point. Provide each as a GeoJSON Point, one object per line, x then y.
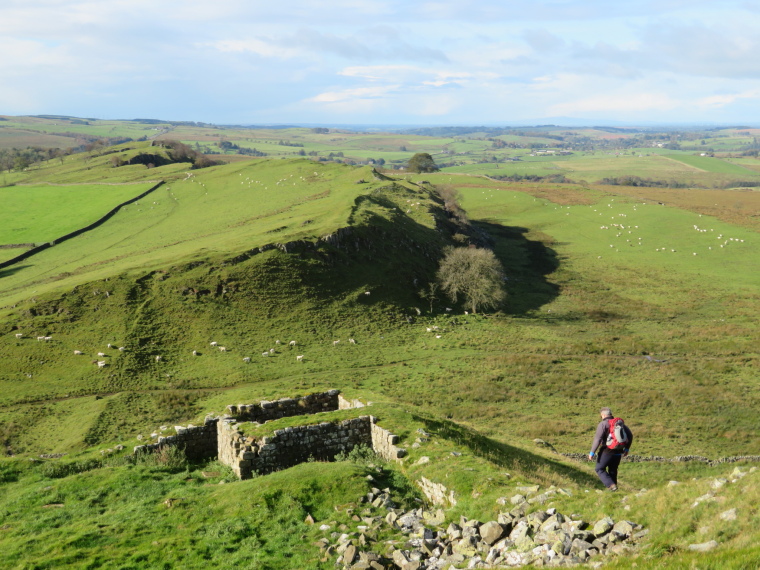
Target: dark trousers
{"type": "Point", "coordinates": [607, 466]}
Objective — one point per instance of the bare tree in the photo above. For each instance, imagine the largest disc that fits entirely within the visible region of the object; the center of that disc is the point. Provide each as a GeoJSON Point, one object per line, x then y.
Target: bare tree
{"type": "Point", "coordinates": [430, 293]}
{"type": "Point", "coordinates": [473, 274]}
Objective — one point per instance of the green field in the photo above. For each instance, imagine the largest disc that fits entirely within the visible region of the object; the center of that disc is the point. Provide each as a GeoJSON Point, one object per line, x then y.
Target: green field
{"type": "Point", "coordinates": [644, 299]}
{"type": "Point", "coordinates": [36, 214]}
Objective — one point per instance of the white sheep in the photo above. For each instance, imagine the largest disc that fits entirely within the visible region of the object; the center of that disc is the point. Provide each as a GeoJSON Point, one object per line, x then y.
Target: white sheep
{"type": "Point", "coordinates": [39, 338]}
{"type": "Point", "coordinates": [352, 341]}
{"type": "Point", "coordinates": [158, 358]}
{"type": "Point", "coordinates": [277, 342]}
{"type": "Point", "coordinates": [335, 342]}
{"type": "Point", "coordinates": [222, 349]}
{"type": "Point", "coordinates": [48, 338]}
{"type": "Point", "coordinates": [101, 363]}
{"type": "Point", "coordinates": [299, 357]}
{"type": "Point", "coordinates": [292, 343]}
{"type": "Point", "coordinates": [265, 353]}
{"type": "Point", "coordinates": [101, 354]}
{"type": "Point", "coordinates": [77, 352]}
{"type": "Point", "coordinates": [195, 353]}
{"type": "Point", "coordinates": [121, 349]}
{"type": "Point", "coordinates": [271, 351]}
{"type": "Point", "coordinates": [19, 335]}
{"type": "Point", "coordinates": [213, 343]}
{"type": "Point", "coordinates": [109, 345]}
{"type": "Point", "coordinates": [247, 359]}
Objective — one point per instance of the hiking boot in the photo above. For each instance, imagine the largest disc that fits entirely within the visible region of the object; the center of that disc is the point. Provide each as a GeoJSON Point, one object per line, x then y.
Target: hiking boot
{"type": "Point", "coordinates": [612, 487]}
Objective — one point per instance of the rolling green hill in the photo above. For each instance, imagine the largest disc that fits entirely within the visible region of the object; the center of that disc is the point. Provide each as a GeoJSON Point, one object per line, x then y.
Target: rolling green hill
{"type": "Point", "coordinates": [614, 299]}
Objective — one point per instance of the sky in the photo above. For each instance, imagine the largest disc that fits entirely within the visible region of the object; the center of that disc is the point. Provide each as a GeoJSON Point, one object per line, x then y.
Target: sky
{"type": "Point", "coordinates": [384, 62]}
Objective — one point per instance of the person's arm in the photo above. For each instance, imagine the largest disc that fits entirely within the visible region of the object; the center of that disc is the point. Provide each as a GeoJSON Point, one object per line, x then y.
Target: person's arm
{"type": "Point", "coordinates": [598, 438]}
{"type": "Point", "coordinates": [628, 433]}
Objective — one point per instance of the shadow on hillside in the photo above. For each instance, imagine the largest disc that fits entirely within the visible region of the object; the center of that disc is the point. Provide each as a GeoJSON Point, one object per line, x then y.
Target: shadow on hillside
{"type": "Point", "coordinates": [11, 270]}
{"type": "Point", "coordinates": [506, 456]}
{"type": "Point", "coordinates": [526, 263]}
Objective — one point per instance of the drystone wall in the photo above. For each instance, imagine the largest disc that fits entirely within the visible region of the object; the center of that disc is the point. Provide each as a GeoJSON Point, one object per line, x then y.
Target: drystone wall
{"type": "Point", "coordinates": [287, 447]}
{"type": "Point", "coordinates": [287, 407]}
{"type": "Point", "coordinates": [198, 442]}
{"type": "Point", "coordinates": [246, 455]}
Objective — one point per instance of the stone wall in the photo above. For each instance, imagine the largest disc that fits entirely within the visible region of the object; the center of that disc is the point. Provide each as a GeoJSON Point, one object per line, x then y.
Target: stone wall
{"type": "Point", "coordinates": [286, 407]}
{"type": "Point", "coordinates": [198, 442]}
{"type": "Point", "coordinates": [247, 455]}
{"type": "Point", "coordinates": [289, 446]}
{"type": "Point", "coordinates": [384, 443]}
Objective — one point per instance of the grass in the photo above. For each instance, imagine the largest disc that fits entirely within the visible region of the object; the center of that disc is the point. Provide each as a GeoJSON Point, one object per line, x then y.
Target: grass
{"type": "Point", "coordinates": [134, 516]}
{"type": "Point", "coordinates": [37, 214]}
{"type": "Point", "coordinates": [168, 278]}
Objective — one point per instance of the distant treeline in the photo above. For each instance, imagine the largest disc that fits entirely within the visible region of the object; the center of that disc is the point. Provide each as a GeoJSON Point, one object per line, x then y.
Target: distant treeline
{"type": "Point", "coordinates": [644, 182]}
{"type": "Point", "coordinates": [552, 178]}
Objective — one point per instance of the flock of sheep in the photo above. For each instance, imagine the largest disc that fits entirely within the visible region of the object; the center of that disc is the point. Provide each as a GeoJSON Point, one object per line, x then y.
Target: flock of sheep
{"type": "Point", "coordinates": [158, 358]}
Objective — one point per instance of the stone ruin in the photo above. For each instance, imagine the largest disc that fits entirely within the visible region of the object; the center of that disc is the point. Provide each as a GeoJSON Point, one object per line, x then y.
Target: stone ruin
{"type": "Point", "coordinates": [223, 438]}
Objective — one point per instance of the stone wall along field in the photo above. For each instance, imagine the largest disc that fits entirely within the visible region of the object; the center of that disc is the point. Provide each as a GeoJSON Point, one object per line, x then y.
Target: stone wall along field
{"type": "Point", "coordinates": [198, 442]}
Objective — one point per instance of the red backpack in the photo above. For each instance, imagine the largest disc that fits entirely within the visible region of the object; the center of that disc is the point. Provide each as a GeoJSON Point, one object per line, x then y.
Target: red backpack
{"type": "Point", "coordinates": [617, 437]}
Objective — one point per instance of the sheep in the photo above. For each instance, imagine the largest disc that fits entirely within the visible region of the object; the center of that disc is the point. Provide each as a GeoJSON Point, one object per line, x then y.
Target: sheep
{"type": "Point", "coordinates": [277, 342]}
{"type": "Point", "coordinates": [121, 349]}
{"type": "Point", "coordinates": [158, 358]}
{"type": "Point", "coordinates": [39, 338]}
{"type": "Point", "coordinates": [292, 343]}
{"type": "Point", "coordinates": [335, 342]}
{"type": "Point", "coordinates": [352, 341]}
{"type": "Point", "coordinates": [299, 357]}
{"type": "Point", "coordinates": [265, 353]}
{"type": "Point", "coordinates": [195, 353]}
{"type": "Point", "coordinates": [271, 351]}
{"type": "Point", "coordinates": [109, 345]}
{"type": "Point", "coordinates": [19, 335]}
{"type": "Point", "coordinates": [47, 338]}
{"type": "Point", "coordinates": [101, 363]}
{"type": "Point", "coordinates": [222, 349]}
{"type": "Point", "coordinates": [101, 354]}
{"type": "Point", "coordinates": [78, 352]}
{"type": "Point", "coordinates": [247, 359]}
{"type": "Point", "coordinates": [213, 343]}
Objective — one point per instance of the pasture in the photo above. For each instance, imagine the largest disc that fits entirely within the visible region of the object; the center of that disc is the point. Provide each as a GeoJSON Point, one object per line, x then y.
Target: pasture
{"type": "Point", "coordinates": [37, 214]}
{"type": "Point", "coordinates": [644, 299]}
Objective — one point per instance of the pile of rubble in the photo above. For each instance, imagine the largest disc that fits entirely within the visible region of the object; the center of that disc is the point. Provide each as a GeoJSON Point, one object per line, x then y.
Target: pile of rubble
{"type": "Point", "coordinates": [516, 538]}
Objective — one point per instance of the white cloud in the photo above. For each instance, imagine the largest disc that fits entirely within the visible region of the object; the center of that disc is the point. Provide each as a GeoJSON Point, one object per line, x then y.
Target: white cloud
{"type": "Point", "coordinates": [254, 46]}
{"type": "Point", "coordinates": [720, 101]}
{"type": "Point", "coordinates": [353, 94]}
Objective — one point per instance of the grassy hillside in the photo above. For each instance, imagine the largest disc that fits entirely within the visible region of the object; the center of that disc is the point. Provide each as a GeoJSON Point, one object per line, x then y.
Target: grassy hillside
{"type": "Point", "coordinates": [36, 214]}
{"type": "Point", "coordinates": [618, 296]}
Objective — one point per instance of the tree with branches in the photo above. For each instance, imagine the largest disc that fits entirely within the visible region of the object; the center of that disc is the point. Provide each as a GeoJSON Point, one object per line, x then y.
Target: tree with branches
{"type": "Point", "coordinates": [473, 274]}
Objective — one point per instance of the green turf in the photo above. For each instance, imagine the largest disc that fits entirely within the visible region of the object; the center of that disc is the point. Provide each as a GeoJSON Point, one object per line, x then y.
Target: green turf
{"type": "Point", "coordinates": [588, 302]}
{"type": "Point", "coordinates": [37, 214]}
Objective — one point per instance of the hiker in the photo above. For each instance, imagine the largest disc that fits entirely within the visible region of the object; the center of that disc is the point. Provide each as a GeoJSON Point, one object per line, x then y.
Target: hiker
{"type": "Point", "coordinates": [609, 449]}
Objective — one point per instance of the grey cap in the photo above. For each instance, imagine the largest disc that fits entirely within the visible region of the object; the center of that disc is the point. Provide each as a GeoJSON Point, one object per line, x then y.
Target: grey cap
{"type": "Point", "coordinates": [605, 412]}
